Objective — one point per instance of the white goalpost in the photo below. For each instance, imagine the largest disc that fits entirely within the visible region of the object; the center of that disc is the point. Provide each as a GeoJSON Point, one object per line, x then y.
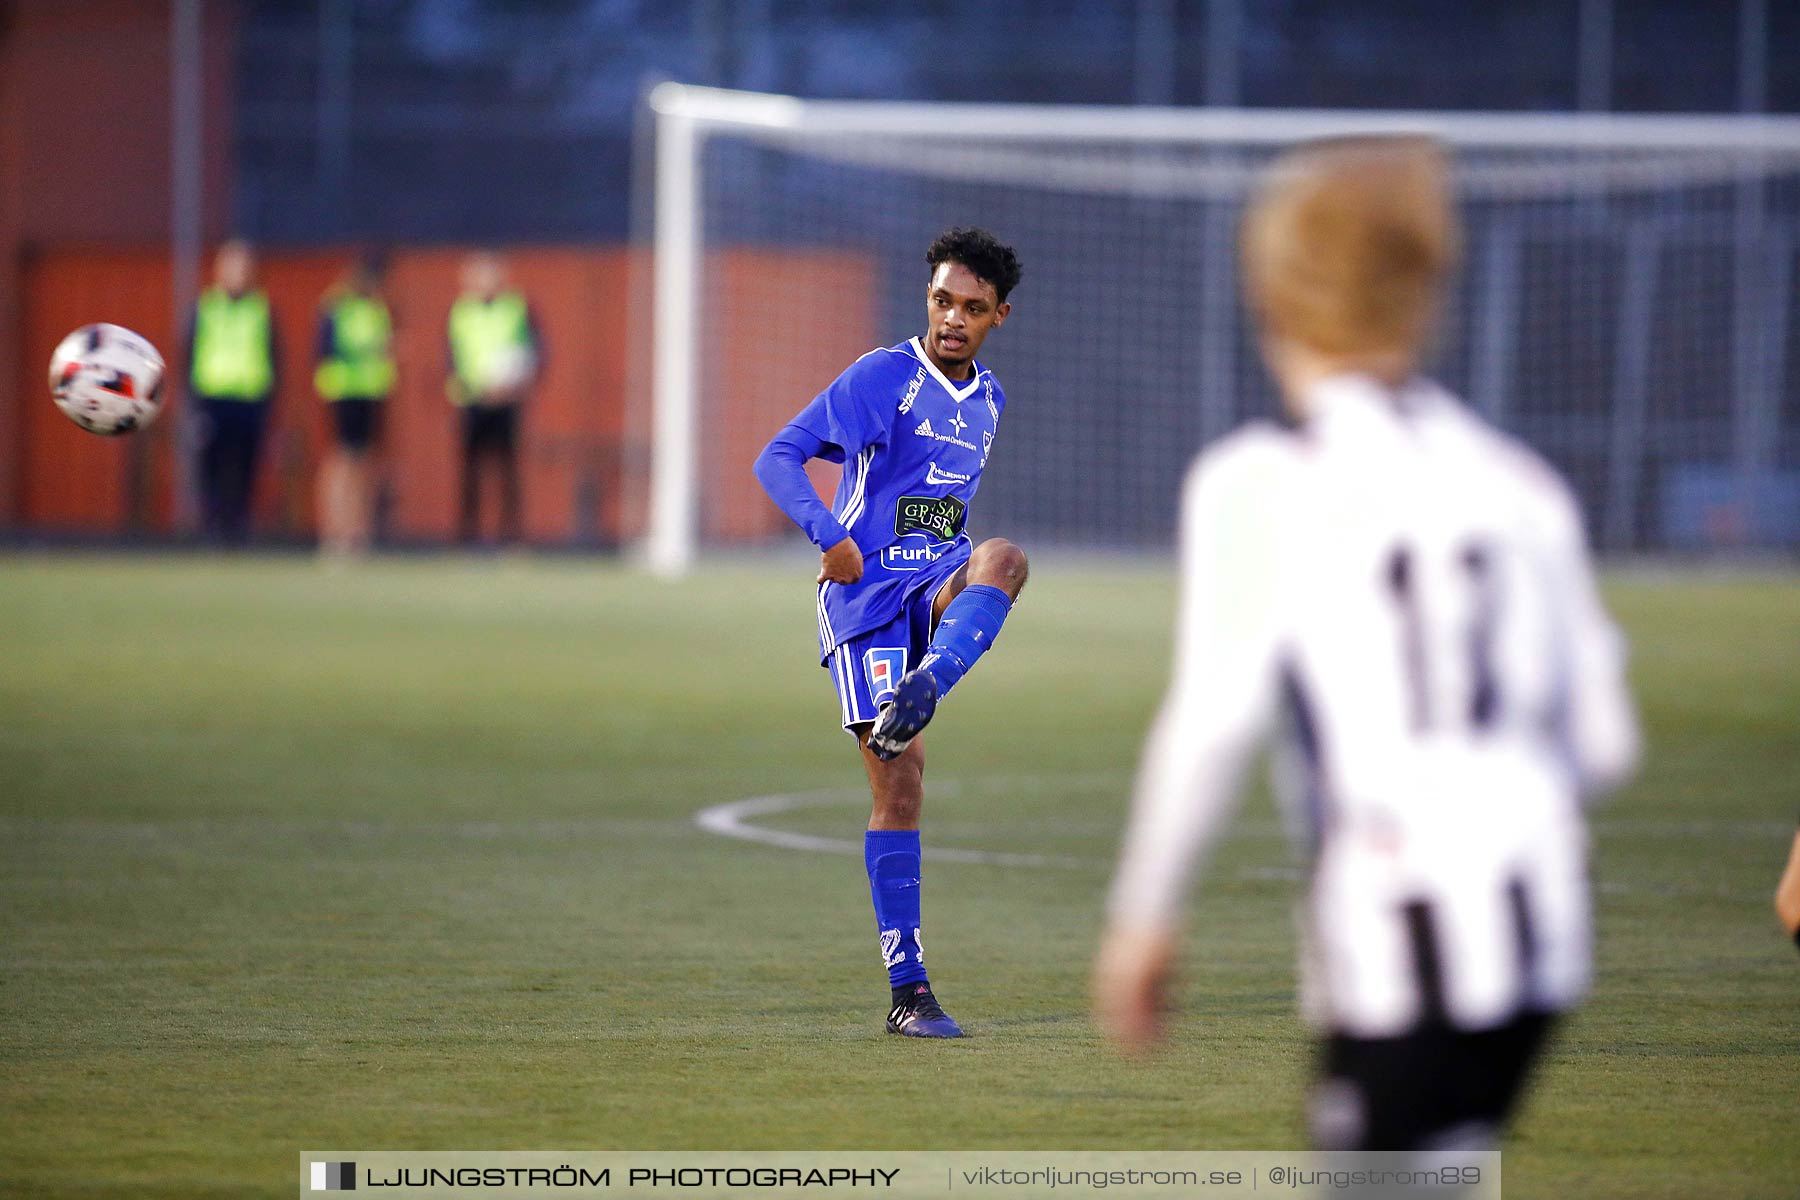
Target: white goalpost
{"type": "Point", "coordinates": [1625, 304]}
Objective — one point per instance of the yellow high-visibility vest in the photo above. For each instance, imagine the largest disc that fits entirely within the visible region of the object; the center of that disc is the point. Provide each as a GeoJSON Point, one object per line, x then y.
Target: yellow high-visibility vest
{"type": "Point", "coordinates": [233, 346]}
{"type": "Point", "coordinates": [486, 339]}
{"type": "Point", "coordinates": [361, 363]}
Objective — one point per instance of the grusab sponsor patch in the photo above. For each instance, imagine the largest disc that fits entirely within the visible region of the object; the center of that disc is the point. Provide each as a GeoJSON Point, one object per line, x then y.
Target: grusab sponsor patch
{"type": "Point", "coordinates": [938, 517]}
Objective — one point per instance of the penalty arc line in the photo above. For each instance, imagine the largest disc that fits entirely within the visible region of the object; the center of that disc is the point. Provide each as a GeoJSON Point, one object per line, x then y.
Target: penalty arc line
{"type": "Point", "coordinates": [732, 820]}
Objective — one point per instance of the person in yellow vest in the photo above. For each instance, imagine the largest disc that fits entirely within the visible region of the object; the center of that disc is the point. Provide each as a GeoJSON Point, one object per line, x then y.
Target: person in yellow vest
{"type": "Point", "coordinates": [354, 376]}
{"type": "Point", "coordinates": [496, 355]}
{"type": "Point", "coordinates": [232, 354]}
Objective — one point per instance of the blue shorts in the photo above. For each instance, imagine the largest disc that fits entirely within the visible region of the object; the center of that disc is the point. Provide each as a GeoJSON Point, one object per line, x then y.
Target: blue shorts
{"type": "Point", "coordinates": [866, 668]}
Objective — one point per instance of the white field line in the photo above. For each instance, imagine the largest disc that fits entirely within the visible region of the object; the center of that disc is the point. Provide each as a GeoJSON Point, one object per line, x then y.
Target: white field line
{"type": "Point", "coordinates": [732, 820]}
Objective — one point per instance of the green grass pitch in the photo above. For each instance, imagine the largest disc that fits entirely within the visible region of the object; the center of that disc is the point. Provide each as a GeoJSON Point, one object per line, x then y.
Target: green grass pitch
{"type": "Point", "coordinates": [404, 858]}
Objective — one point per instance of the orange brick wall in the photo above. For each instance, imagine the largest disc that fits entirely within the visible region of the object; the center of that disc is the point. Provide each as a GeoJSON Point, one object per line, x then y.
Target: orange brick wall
{"type": "Point", "coordinates": [582, 445]}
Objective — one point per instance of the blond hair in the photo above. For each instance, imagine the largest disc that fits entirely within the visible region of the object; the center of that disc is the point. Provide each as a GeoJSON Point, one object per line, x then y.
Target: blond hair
{"type": "Point", "coordinates": [1347, 245]}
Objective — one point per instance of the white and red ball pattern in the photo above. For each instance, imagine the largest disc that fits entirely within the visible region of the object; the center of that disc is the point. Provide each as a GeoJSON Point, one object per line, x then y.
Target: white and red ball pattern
{"type": "Point", "coordinates": [107, 379]}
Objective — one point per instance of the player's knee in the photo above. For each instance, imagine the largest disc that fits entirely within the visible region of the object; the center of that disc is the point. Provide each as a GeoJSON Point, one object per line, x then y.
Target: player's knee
{"type": "Point", "coordinates": [999, 563]}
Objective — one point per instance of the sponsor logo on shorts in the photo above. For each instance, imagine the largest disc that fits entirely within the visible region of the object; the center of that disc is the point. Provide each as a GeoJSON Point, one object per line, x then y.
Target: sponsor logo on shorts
{"type": "Point", "coordinates": [938, 517]}
{"type": "Point", "coordinates": [884, 666]}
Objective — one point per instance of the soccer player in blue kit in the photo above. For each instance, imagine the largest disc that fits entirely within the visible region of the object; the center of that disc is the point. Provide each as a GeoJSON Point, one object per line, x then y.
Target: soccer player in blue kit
{"type": "Point", "coordinates": [906, 602]}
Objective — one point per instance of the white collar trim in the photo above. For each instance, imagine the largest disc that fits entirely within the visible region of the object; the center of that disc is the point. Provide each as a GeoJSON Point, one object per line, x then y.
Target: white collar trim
{"type": "Point", "coordinates": [1361, 401]}
{"type": "Point", "coordinates": [962, 393]}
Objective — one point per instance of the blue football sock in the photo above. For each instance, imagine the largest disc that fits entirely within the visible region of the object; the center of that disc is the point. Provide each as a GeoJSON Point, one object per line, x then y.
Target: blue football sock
{"type": "Point", "coordinates": [892, 859]}
{"type": "Point", "coordinates": [969, 626]}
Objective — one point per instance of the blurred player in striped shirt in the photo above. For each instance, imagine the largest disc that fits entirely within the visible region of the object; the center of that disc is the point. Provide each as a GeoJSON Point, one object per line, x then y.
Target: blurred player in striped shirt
{"type": "Point", "coordinates": [1406, 593]}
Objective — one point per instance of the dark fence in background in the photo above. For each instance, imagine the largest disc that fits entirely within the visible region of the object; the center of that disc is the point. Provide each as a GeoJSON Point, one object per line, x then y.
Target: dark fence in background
{"type": "Point", "coordinates": [512, 120]}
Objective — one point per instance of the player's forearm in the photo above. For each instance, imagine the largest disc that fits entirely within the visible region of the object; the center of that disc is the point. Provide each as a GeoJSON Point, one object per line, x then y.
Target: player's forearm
{"type": "Point", "coordinates": [781, 469]}
{"type": "Point", "coordinates": [1605, 740]}
{"type": "Point", "coordinates": [1602, 721]}
{"type": "Point", "coordinates": [1217, 706]}
{"type": "Point", "coordinates": [1186, 787]}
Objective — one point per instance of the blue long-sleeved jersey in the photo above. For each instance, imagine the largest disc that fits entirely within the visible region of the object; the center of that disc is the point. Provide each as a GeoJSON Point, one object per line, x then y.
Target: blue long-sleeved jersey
{"type": "Point", "coordinates": [913, 444]}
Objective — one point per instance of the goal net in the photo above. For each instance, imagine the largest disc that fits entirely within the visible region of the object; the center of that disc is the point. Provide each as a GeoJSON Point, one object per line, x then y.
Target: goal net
{"type": "Point", "coordinates": [1626, 304]}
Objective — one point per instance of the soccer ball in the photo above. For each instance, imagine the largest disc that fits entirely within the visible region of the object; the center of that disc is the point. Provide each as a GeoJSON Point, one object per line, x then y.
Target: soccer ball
{"type": "Point", "coordinates": [107, 379]}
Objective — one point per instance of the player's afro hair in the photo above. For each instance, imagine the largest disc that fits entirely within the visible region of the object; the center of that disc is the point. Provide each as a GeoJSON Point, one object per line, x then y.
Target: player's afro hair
{"type": "Point", "coordinates": [982, 253]}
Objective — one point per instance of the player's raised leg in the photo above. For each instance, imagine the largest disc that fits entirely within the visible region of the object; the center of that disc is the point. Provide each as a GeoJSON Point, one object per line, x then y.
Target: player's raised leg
{"type": "Point", "coordinates": [976, 601]}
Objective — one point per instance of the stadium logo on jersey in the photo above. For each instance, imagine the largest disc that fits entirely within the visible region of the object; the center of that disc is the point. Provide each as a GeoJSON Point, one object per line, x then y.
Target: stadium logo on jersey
{"type": "Point", "coordinates": [912, 392]}
{"type": "Point", "coordinates": [884, 665]}
{"type": "Point", "coordinates": [938, 517]}
{"type": "Point", "coordinates": [924, 429]}
{"type": "Point", "coordinates": [936, 476]}
{"type": "Point", "coordinates": [993, 409]}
